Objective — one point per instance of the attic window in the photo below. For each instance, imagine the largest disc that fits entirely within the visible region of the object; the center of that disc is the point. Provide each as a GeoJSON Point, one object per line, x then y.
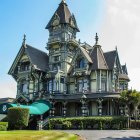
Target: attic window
{"type": "Point", "coordinates": [25, 66]}
{"type": "Point", "coordinates": [81, 63]}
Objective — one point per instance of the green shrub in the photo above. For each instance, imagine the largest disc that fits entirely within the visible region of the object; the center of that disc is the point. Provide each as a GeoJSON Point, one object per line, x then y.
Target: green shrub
{"type": "Point", "coordinates": [18, 117]}
{"type": "Point", "coordinates": [89, 122]}
{"type": "Point", "coordinates": [3, 126]}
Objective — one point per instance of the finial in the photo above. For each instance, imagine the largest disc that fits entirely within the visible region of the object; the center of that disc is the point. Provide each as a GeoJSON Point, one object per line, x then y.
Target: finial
{"type": "Point", "coordinates": [63, 1]}
{"type": "Point", "coordinates": [24, 39]}
{"type": "Point", "coordinates": [116, 48]}
{"type": "Point", "coordinates": [96, 39]}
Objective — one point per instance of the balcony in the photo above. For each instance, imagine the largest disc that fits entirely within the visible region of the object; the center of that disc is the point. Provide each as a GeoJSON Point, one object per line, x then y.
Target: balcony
{"type": "Point", "coordinates": [73, 41]}
{"type": "Point", "coordinates": [24, 69]}
{"type": "Point", "coordinates": [54, 40]}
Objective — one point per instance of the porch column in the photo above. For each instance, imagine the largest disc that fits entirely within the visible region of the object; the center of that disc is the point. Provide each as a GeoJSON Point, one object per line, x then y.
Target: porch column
{"type": "Point", "coordinates": [52, 102]}
{"type": "Point", "coordinates": [84, 107]}
{"type": "Point", "coordinates": [53, 109]}
{"type": "Point", "coordinates": [64, 109]}
{"type": "Point", "coordinates": [100, 106]}
{"type": "Point", "coordinates": [121, 110]}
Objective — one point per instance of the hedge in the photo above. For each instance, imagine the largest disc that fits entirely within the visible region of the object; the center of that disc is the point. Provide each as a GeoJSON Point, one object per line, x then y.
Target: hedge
{"type": "Point", "coordinates": [88, 123]}
{"type": "Point", "coordinates": [3, 126]}
{"type": "Point", "coordinates": [18, 117]}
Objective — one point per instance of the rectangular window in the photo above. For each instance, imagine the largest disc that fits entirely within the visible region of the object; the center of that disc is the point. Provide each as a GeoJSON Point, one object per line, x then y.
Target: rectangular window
{"type": "Point", "coordinates": [62, 80]}
{"type": "Point", "coordinates": [57, 66]}
{"type": "Point", "coordinates": [54, 85]}
{"type": "Point", "coordinates": [50, 86]}
{"type": "Point", "coordinates": [56, 58]}
{"type": "Point", "coordinates": [103, 86]}
{"type": "Point", "coordinates": [80, 85]}
{"type": "Point", "coordinates": [85, 84]}
{"type": "Point", "coordinates": [24, 88]}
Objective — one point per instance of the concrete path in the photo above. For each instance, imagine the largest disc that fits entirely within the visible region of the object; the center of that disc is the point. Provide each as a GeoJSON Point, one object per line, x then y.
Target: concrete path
{"type": "Point", "coordinates": [108, 134]}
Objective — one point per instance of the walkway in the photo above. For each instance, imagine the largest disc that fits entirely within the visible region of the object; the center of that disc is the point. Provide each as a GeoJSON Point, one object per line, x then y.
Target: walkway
{"type": "Point", "coordinates": [108, 134]}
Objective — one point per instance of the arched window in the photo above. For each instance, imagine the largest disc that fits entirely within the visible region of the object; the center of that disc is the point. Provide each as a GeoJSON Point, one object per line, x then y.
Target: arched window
{"type": "Point", "coordinates": [24, 87]}
{"type": "Point", "coordinates": [81, 63]}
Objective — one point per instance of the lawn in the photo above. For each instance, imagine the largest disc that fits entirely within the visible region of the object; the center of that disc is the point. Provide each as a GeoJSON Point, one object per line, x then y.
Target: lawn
{"type": "Point", "coordinates": [36, 135]}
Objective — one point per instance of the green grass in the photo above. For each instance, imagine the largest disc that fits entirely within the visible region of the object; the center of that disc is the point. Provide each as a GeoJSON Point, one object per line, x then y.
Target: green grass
{"type": "Point", "coordinates": [36, 135]}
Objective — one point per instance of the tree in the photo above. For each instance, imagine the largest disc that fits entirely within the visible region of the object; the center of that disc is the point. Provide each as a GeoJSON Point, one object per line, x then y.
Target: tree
{"type": "Point", "coordinates": [18, 117]}
{"type": "Point", "coordinates": [131, 99]}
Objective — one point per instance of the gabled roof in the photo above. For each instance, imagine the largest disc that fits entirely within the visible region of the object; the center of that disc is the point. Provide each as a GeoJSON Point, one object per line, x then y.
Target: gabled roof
{"type": "Point", "coordinates": [124, 76]}
{"type": "Point", "coordinates": [64, 15]}
{"type": "Point", "coordinates": [85, 53]}
{"type": "Point", "coordinates": [124, 69]}
{"type": "Point", "coordinates": [110, 59]}
{"type": "Point", "coordinates": [98, 58]}
{"type": "Point", "coordinates": [38, 58]}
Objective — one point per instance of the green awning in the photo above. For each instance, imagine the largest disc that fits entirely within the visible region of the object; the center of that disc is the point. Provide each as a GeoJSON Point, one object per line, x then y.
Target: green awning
{"type": "Point", "coordinates": [36, 108]}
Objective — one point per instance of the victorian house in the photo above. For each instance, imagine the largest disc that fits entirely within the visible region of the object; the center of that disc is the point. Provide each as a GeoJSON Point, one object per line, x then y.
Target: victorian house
{"type": "Point", "coordinates": [76, 78]}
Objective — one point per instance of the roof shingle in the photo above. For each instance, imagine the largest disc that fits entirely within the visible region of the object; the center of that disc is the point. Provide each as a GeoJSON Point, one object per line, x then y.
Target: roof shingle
{"type": "Point", "coordinates": [38, 58]}
{"type": "Point", "coordinates": [98, 59]}
{"type": "Point", "coordinates": [110, 59]}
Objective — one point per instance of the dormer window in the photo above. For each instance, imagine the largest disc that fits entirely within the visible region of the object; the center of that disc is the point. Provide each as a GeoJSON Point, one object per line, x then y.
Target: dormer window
{"type": "Point", "coordinates": [81, 63]}
{"type": "Point", "coordinates": [25, 66]}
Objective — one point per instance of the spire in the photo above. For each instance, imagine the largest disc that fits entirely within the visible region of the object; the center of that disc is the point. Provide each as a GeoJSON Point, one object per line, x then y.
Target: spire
{"type": "Point", "coordinates": [64, 16]}
{"type": "Point", "coordinates": [63, 1]}
{"type": "Point", "coordinates": [116, 48]}
{"type": "Point", "coordinates": [96, 39]}
{"type": "Point", "coordinates": [24, 39]}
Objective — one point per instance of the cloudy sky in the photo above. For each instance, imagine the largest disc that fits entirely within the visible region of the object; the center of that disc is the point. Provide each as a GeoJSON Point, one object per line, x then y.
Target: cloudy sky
{"type": "Point", "coordinates": [116, 21]}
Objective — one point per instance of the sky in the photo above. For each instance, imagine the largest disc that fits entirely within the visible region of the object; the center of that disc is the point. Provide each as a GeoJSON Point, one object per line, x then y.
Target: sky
{"type": "Point", "coordinates": [117, 23]}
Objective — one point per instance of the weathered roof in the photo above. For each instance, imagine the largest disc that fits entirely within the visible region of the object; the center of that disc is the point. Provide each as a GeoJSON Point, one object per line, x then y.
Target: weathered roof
{"type": "Point", "coordinates": [38, 58]}
{"type": "Point", "coordinates": [110, 59]}
{"type": "Point", "coordinates": [64, 15]}
{"type": "Point", "coordinates": [86, 54]}
{"type": "Point", "coordinates": [98, 59]}
{"type": "Point", "coordinates": [124, 76]}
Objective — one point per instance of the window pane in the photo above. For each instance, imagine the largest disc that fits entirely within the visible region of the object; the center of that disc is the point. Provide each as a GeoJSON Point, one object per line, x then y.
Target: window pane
{"type": "Point", "coordinates": [54, 85]}
{"type": "Point", "coordinates": [24, 88]}
{"type": "Point", "coordinates": [50, 85]}
{"type": "Point", "coordinates": [80, 85]}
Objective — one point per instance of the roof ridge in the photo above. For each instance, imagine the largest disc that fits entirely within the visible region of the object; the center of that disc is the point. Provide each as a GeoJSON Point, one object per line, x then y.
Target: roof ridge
{"type": "Point", "coordinates": [36, 49]}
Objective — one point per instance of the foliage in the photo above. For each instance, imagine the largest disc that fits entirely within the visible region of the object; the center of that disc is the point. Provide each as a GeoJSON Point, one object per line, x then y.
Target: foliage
{"type": "Point", "coordinates": [3, 126]}
{"type": "Point", "coordinates": [18, 117]}
{"type": "Point", "coordinates": [131, 99]}
{"type": "Point", "coordinates": [37, 135]}
{"type": "Point", "coordinates": [113, 122]}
